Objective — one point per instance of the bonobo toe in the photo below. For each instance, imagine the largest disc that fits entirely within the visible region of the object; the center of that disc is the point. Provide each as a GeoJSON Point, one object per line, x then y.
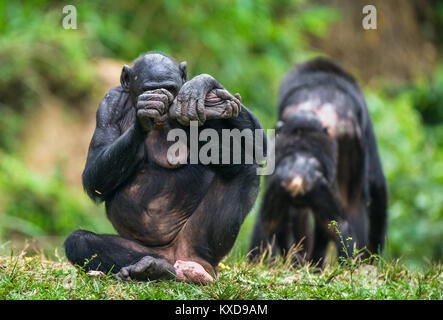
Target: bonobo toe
{"type": "Point", "coordinates": [148, 268]}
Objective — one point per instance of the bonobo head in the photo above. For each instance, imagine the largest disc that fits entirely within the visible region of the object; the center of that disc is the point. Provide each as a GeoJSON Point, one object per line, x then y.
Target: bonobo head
{"type": "Point", "coordinates": [305, 153]}
{"type": "Point", "coordinates": [153, 70]}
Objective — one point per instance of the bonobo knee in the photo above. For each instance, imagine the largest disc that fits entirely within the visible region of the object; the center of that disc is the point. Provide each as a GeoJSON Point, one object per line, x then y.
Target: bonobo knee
{"type": "Point", "coordinates": [76, 246]}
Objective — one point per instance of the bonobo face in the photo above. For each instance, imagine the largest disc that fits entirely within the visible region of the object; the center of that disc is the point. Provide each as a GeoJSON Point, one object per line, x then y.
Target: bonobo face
{"type": "Point", "coordinates": [298, 166]}
{"type": "Point", "coordinates": [299, 173]}
{"type": "Point", "coordinates": [153, 71]}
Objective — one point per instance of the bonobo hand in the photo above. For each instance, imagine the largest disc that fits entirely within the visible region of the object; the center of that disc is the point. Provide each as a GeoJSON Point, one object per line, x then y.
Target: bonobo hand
{"type": "Point", "coordinates": [153, 105]}
{"type": "Point", "coordinates": [220, 104]}
{"type": "Point", "coordinates": [196, 98]}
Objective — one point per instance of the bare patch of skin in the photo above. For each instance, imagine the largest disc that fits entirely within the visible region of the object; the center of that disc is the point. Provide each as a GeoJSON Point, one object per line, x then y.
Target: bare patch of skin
{"type": "Point", "coordinates": [158, 146]}
{"type": "Point", "coordinates": [158, 203]}
{"type": "Point", "coordinates": [192, 271]}
{"type": "Point", "coordinates": [327, 114]}
{"type": "Point", "coordinates": [295, 186]}
{"type": "Point", "coordinates": [328, 118]}
{"type": "Point", "coordinates": [134, 189]}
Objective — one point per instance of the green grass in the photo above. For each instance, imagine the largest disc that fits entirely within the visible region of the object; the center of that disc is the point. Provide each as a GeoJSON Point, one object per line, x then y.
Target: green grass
{"type": "Point", "coordinates": [38, 278]}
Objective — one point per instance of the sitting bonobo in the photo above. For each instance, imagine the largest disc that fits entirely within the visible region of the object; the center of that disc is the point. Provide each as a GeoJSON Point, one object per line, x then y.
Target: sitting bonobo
{"type": "Point", "coordinates": [175, 220]}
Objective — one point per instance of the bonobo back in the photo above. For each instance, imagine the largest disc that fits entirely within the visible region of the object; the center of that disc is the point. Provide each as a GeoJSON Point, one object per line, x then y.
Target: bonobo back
{"type": "Point", "coordinates": [327, 167]}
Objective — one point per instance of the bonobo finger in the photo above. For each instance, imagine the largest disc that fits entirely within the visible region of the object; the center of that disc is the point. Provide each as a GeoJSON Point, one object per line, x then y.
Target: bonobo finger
{"type": "Point", "coordinates": [168, 94]}
{"type": "Point", "coordinates": [123, 274]}
{"type": "Point", "coordinates": [200, 108]}
{"type": "Point", "coordinates": [238, 102]}
{"type": "Point", "coordinates": [153, 113]}
{"type": "Point", "coordinates": [182, 116]}
{"type": "Point", "coordinates": [212, 113]}
{"type": "Point", "coordinates": [211, 97]}
{"type": "Point", "coordinates": [224, 94]}
{"type": "Point", "coordinates": [148, 113]}
{"type": "Point", "coordinates": [176, 108]}
{"type": "Point", "coordinates": [160, 91]}
{"type": "Point", "coordinates": [151, 97]}
{"type": "Point", "coordinates": [173, 110]}
{"type": "Point", "coordinates": [235, 109]}
{"type": "Point", "coordinates": [144, 119]}
{"type": "Point", "coordinates": [191, 111]}
{"type": "Point", "coordinates": [155, 96]}
{"type": "Point", "coordinates": [143, 104]}
{"type": "Point", "coordinates": [152, 105]}
{"type": "Point", "coordinates": [161, 94]}
{"type": "Point", "coordinates": [142, 114]}
{"type": "Point", "coordinates": [221, 110]}
{"type": "Point", "coordinates": [238, 96]}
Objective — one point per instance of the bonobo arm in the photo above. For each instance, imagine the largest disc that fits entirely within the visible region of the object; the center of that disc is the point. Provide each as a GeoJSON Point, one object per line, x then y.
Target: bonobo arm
{"type": "Point", "coordinates": [205, 100]}
{"type": "Point", "coordinates": [112, 156]}
{"type": "Point", "coordinates": [189, 105]}
{"type": "Point", "coordinates": [274, 208]}
{"type": "Point", "coordinates": [326, 206]}
{"type": "Point", "coordinates": [247, 124]}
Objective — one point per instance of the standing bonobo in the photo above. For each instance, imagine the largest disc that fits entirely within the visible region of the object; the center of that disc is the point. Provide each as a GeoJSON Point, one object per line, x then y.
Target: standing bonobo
{"type": "Point", "coordinates": [173, 219]}
{"type": "Point", "coordinates": [327, 163]}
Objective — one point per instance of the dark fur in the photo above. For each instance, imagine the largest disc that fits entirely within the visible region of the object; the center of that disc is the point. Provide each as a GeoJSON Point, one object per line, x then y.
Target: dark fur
{"type": "Point", "coordinates": [353, 188]}
{"type": "Point", "coordinates": [193, 212]}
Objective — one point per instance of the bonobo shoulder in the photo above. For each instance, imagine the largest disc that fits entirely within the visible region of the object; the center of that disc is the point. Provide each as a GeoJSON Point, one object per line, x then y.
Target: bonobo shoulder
{"type": "Point", "coordinates": [114, 97]}
{"type": "Point", "coordinates": [112, 105]}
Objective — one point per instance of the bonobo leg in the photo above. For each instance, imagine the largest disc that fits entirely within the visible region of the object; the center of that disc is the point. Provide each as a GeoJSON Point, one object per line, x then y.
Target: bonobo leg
{"type": "Point", "coordinates": [211, 231]}
{"type": "Point", "coordinates": [377, 213]}
{"type": "Point", "coordinates": [261, 242]}
{"type": "Point", "coordinates": [111, 253]}
{"type": "Point", "coordinates": [378, 190]}
{"type": "Point", "coordinates": [301, 232]}
{"type": "Point", "coordinates": [273, 214]}
{"type": "Point", "coordinates": [326, 207]}
{"type": "Point", "coordinates": [321, 240]}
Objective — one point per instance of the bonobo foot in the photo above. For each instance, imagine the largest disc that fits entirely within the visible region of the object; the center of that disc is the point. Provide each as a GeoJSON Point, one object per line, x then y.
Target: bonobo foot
{"type": "Point", "coordinates": [192, 271]}
{"type": "Point", "coordinates": [148, 268]}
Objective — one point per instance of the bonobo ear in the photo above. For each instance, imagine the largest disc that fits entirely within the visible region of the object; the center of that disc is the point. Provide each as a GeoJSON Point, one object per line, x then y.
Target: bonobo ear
{"type": "Point", "coordinates": [126, 76]}
{"type": "Point", "coordinates": [183, 72]}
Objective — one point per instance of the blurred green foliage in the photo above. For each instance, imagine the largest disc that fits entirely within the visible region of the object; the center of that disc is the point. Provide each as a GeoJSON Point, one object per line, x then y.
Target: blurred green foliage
{"type": "Point", "coordinates": [37, 56]}
{"type": "Point", "coordinates": [37, 206]}
{"type": "Point", "coordinates": [428, 97]}
{"type": "Point", "coordinates": [413, 164]}
{"type": "Point", "coordinates": [248, 46]}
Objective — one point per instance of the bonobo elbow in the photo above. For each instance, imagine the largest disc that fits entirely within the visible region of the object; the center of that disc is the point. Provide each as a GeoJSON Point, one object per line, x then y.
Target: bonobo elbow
{"type": "Point", "coordinates": [209, 80]}
{"type": "Point", "coordinates": [91, 189]}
